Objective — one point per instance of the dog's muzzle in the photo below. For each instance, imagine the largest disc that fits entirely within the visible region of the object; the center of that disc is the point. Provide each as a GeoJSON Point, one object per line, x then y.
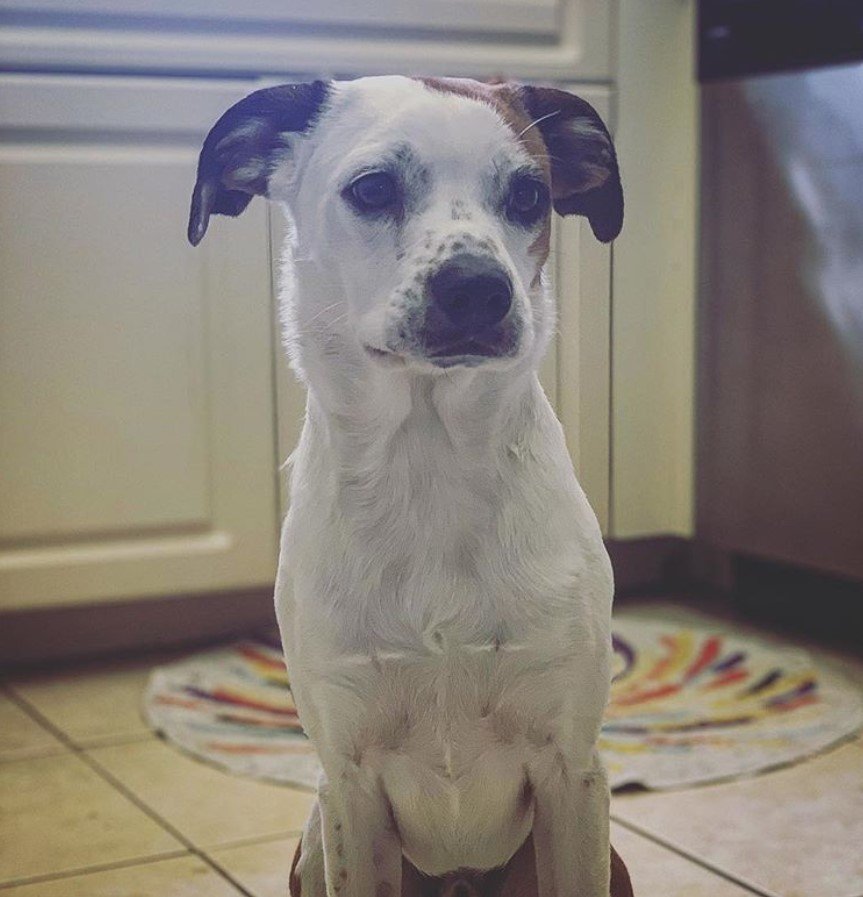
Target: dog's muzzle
{"type": "Point", "coordinates": [469, 298]}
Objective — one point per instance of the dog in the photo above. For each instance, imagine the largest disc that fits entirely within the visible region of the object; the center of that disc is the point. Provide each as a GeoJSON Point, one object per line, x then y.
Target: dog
{"type": "Point", "coordinates": [443, 594]}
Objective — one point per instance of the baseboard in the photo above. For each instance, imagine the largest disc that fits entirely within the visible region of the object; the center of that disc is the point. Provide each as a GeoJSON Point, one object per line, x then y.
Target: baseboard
{"type": "Point", "coordinates": [651, 564]}
{"type": "Point", "coordinates": [55, 635]}
{"type": "Point", "coordinates": [793, 599]}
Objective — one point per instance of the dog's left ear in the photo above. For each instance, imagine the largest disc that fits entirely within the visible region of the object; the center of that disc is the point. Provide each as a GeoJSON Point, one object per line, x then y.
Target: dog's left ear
{"type": "Point", "coordinates": [585, 179]}
{"type": "Point", "coordinates": [241, 149]}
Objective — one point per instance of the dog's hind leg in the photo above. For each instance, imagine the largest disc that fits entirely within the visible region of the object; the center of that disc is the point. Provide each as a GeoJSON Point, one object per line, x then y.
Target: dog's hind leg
{"type": "Point", "coordinates": [571, 830]}
{"type": "Point", "coordinates": [362, 850]}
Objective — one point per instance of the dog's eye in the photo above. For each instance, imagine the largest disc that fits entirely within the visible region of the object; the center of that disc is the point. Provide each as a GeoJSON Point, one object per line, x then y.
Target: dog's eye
{"type": "Point", "coordinates": [528, 200]}
{"type": "Point", "coordinates": [373, 192]}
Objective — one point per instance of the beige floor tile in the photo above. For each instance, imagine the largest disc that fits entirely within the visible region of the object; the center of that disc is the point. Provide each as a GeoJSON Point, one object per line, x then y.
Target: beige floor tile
{"type": "Point", "coordinates": [795, 832]}
{"type": "Point", "coordinates": [208, 806]}
{"type": "Point", "coordinates": [181, 877]}
{"type": "Point", "coordinates": [21, 736]}
{"type": "Point", "coordinates": [658, 872]}
{"type": "Point", "coordinates": [94, 704]}
{"type": "Point", "coordinates": [261, 868]}
{"type": "Point", "coordinates": [58, 815]}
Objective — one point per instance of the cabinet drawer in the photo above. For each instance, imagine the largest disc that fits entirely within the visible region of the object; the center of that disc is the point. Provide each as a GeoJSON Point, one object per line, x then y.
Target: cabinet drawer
{"type": "Point", "coordinates": [552, 39]}
{"type": "Point", "coordinates": [496, 16]}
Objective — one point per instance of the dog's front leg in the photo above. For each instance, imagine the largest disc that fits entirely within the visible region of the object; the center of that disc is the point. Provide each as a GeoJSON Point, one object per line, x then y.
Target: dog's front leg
{"type": "Point", "coordinates": [307, 872]}
{"type": "Point", "coordinates": [570, 829]}
{"type": "Point", "coordinates": [362, 850]}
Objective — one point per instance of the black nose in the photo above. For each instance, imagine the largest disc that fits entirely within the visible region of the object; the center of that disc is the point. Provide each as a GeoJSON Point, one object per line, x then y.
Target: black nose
{"type": "Point", "coordinates": [472, 291]}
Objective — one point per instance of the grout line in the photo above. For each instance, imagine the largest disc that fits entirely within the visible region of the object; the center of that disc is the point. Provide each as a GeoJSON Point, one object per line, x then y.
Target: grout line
{"type": "Point", "coordinates": [59, 751]}
{"type": "Point", "coordinates": [169, 827]}
{"type": "Point", "coordinates": [104, 741]}
{"type": "Point", "coordinates": [293, 834]}
{"type": "Point", "coordinates": [90, 870]}
{"type": "Point", "coordinates": [130, 795]}
{"type": "Point", "coordinates": [698, 861]}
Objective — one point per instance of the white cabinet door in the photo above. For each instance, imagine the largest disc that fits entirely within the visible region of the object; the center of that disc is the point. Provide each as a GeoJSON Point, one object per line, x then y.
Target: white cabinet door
{"type": "Point", "coordinates": [582, 356]}
{"type": "Point", "coordinates": [137, 439]}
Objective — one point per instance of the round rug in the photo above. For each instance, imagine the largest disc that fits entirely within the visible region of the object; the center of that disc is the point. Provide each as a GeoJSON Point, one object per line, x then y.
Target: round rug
{"type": "Point", "coordinates": [688, 706]}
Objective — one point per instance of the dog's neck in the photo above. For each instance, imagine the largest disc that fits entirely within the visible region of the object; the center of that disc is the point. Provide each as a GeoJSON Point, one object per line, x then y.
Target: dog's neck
{"type": "Point", "coordinates": [358, 408]}
{"type": "Point", "coordinates": [470, 415]}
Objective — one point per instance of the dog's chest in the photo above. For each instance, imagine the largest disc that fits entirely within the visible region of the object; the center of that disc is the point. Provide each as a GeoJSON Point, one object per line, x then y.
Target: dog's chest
{"type": "Point", "coordinates": [482, 566]}
{"type": "Point", "coordinates": [427, 539]}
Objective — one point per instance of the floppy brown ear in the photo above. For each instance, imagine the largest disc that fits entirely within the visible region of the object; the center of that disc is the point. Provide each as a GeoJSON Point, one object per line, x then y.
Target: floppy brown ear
{"type": "Point", "coordinates": [238, 155]}
{"type": "Point", "coordinates": [585, 179]}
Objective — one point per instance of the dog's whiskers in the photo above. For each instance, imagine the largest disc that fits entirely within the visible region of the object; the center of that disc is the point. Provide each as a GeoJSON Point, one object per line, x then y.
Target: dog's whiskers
{"type": "Point", "coordinates": [309, 331]}
{"type": "Point", "coordinates": [537, 121]}
{"type": "Point", "coordinates": [323, 311]}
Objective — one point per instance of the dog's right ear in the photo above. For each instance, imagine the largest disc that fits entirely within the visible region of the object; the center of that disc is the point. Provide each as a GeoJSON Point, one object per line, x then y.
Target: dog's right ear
{"type": "Point", "coordinates": [238, 156]}
{"type": "Point", "coordinates": [585, 179]}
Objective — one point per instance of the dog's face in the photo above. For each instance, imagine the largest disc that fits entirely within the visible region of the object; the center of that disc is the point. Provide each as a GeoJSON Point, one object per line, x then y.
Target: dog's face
{"type": "Point", "coordinates": [426, 203]}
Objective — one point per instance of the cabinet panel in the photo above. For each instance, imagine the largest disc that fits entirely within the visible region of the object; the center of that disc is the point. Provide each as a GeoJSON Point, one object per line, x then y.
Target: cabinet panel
{"type": "Point", "coordinates": [551, 39]}
{"type": "Point", "coordinates": [583, 358]}
{"type": "Point", "coordinates": [137, 445]}
{"type": "Point", "coordinates": [654, 280]}
{"type": "Point", "coordinates": [102, 374]}
{"type": "Point", "coordinates": [583, 282]}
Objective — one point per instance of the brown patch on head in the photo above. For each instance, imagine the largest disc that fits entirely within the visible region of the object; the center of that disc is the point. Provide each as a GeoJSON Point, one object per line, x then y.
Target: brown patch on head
{"type": "Point", "coordinates": [506, 99]}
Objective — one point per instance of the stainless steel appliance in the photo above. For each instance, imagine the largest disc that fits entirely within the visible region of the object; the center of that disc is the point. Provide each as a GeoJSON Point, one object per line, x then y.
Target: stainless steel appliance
{"type": "Point", "coordinates": [780, 393]}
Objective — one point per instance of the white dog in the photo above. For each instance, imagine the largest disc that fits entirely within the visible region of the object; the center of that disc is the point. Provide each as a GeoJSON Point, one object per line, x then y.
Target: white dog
{"type": "Point", "coordinates": [444, 595]}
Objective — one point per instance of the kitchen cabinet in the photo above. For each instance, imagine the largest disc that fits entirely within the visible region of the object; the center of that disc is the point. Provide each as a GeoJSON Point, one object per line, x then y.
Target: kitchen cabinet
{"type": "Point", "coordinates": [136, 396]}
{"type": "Point", "coordinates": [138, 452]}
{"type": "Point", "coordinates": [146, 405]}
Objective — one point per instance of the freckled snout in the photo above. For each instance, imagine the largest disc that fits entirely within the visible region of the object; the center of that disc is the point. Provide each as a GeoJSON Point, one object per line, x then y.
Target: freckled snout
{"type": "Point", "coordinates": [472, 291]}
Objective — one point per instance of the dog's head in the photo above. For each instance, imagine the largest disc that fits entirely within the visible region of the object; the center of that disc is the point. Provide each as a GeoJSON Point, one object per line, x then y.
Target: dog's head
{"type": "Point", "coordinates": [423, 205]}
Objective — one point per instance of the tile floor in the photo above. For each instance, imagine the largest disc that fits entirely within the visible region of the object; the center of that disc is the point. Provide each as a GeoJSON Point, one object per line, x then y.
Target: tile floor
{"type": "Point", "coordinates": [93, 805]}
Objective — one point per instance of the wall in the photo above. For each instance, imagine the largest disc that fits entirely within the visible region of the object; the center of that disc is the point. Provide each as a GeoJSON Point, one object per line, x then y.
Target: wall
{"type": "Point", "coordinates": [653, 280]}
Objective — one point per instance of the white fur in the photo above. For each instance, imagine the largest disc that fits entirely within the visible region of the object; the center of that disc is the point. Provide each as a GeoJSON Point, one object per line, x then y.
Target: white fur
{"type": "Point", "coordinates": [443, 593]}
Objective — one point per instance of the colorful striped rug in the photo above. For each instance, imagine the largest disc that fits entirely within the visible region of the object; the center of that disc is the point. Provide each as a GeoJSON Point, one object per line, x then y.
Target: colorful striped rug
{"type": "Point", "coordinates": [687, 706]}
